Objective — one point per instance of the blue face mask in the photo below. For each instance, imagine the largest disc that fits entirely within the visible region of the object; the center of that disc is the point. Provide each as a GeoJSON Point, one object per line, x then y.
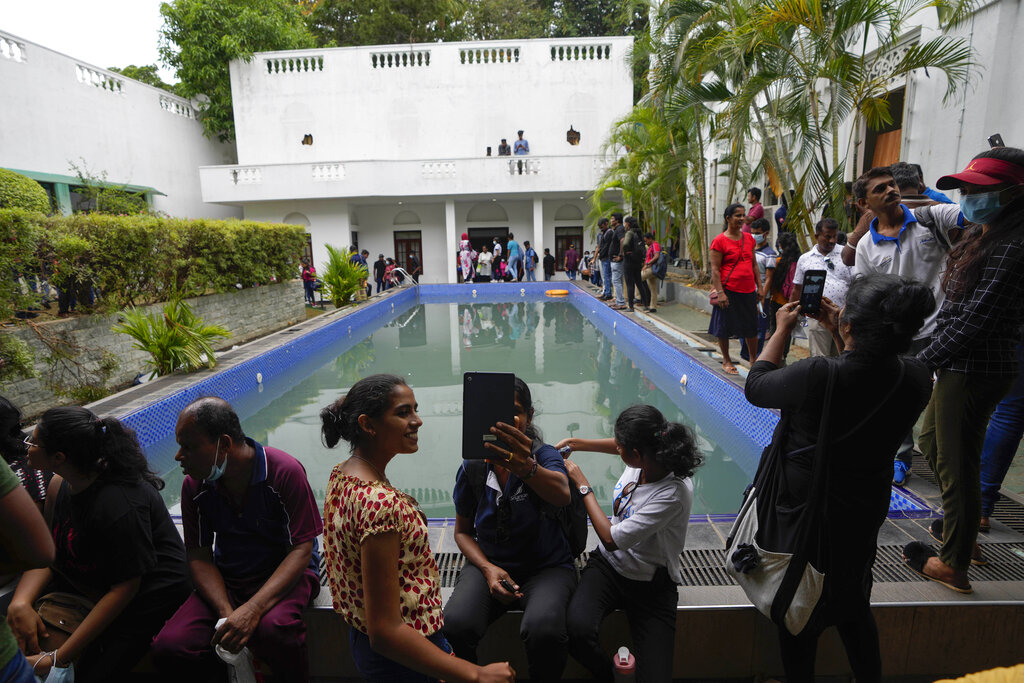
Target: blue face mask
{"type": "Point", "coordinates": [759, 238]}
{"type": "Point", "coordinates": [216, 471]}
{"type": "Point", "coordinates": [981, 208]}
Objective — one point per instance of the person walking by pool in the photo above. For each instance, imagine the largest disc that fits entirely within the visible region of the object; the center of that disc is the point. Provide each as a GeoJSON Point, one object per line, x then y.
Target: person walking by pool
{"type": "Point", "coordinates": [973, 353]}
{"type": "Point", "coordinates": [549, 264]}
{"type": "Point", "coordinates": [515, 258]}
{"type": "Point", "coordinates": [380, 273]}
{"type": "Point", "coordinates": [483, 265]}
{"type": "Point", "coordinates": [618, 231]}
{"type": "Point", "coordinates": [119, 559]}
{"type": "Point", "coordinates": [649, 279]}
{"type": "Point", "coordinates": [517, 556]}
{"type": "Point", "coordinates": [636, 566]}
{"type": "Point", "coordinates": [308, 281]}
{"type": "Point", "coordinates": [250, 524]}
{"type": "Point", "coordinates": [765, 257]}
{"type": "Point", "coordinates": [604, 258]}
{"type": "Point", "coordinates": [571, 261]}
{"type": "Point", "coordinates": [414, 267]}
{"type": "Point", "coordinates": [395, 616]}
{"type": "Point", "coordinates": [736, 282]}
{"type": "Point", "coordinates": [633, 250]}
{"type": "Point", "coordinates": [838, 276]}
{"type": "Point", "coordinates": [467, 255]}
{"type": "Point", "coordinates": [877, 396]}
{"type": "Point", "coordinates": [530, 262]}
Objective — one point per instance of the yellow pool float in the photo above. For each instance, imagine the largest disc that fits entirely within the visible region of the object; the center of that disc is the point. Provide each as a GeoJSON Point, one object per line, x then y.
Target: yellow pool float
{"type": "Point", "coordinates": [557, 292]}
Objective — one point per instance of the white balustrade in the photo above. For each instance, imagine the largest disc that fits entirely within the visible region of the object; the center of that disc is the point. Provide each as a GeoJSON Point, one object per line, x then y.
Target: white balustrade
{"type": "Point", "coordinates": [489, 55]}
{"type": "Point", "coordinates": [438, 169]}
{"type": "Point", "coordinates": [12, 49]}
{"type": "Point", "coordinates": [523, 166]}
{"type": "Point", "coordinates": [399, 59]}
{"type": "Point", "coordinates": [104, 81]}
{"type": "Point", "coordinates": [573, 53]}
{"type": "Point", "coordinates": [287, 65]}
{"type": "Point", "coordinates": [328, 172]}
{"type": "Point", "coordinates": [179, 107]}
{"type": "Point", "coordinates": [252, 175]}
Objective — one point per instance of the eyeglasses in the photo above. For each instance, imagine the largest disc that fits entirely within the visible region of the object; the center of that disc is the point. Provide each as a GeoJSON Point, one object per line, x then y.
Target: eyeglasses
{"type": "Point", "coordinates": [624, 497]}
{"type": "Point", "coordinates": [29, 442]}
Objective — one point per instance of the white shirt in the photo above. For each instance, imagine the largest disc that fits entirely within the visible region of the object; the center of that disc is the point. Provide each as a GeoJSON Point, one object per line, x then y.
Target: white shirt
{"type": "Point", "coordinates": [837, 277]}
{"type": "Point", "coordinates": [650, 529]}
{"type": "Point", "coordinates": [484, 261]}
{"type": "Point", "coordinates": [497, 250]}
{"type": "Point", "coordinates": [915, 254]}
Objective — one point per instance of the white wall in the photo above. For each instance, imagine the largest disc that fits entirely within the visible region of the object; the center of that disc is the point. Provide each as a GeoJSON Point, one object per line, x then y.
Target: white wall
{"type": "Point", "coordinates": [53, 114]}
{"type": "Point", "coordinates": [451, 108]}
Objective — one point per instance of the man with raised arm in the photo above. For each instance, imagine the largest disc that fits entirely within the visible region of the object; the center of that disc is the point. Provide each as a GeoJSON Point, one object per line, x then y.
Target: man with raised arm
{"type": "Point", "coordinates": [250, 524]}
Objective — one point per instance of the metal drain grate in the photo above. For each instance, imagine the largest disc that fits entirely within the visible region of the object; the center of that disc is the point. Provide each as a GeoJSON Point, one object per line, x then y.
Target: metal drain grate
{"type": "Point", "coordinates": [1009, 512]}
{"type": "Point", "coordinates": [705, 568]}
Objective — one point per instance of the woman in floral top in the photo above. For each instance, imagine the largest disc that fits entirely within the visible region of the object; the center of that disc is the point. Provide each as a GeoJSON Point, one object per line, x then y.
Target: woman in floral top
{"type": "Point", "coordinates": [380, 567]}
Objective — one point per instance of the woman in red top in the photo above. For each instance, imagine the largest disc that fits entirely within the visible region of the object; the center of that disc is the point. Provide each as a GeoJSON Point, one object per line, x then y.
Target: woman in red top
{"type": "Point", "coordinates": [737, 281]}
{"type": "Point", "coordinates": [647, 274]}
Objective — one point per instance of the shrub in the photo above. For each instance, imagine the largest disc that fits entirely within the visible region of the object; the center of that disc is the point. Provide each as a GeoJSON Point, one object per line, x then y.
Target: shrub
{"type": "Point", "coordinates": [135, 260]}
{"type": "Point", "coordinates": [341, 278]}
{"type": "Point", "coordinates": [21, 192]}
{"type": "Point", "coordinates": [176, 340]}
{"type": "Point", "coordinates": [16, 359]}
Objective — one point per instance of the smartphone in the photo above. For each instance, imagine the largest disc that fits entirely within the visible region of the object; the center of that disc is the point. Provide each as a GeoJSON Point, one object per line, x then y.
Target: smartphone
{"type": "Point", "coordinates": [487, 398]}
{"type": "Point", "coordinates": [810, 295]}
{"type": "Point", "coordinates": [507, 586]}
{"type": "Point", "coordinates": [995, 140]}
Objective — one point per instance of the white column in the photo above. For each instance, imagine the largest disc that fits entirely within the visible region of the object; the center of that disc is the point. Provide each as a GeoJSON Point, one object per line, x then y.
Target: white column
{"type": "Point", "coordinates": [451, 242]}
{"type": "Point", "coordinates": [455, 335]}
{"type": "Point", "coordinates": [538, 236]}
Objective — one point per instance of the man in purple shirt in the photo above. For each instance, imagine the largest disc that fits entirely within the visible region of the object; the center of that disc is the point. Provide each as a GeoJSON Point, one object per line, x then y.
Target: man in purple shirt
{"type": "Point", "coordinates": [250, 525]}
{"type": "Point", "coordinates": [756, 210]}
{"type": "Point", "coordinates": [572, 259]}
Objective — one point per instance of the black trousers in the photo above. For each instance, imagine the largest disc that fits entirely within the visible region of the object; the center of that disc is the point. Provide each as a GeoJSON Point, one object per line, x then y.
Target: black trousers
{"type": "Point", "coordinates": [650, 608]}
{"type": "Point", "coordinates": [471, 609]}
{"type": "Point", "coordinates": [631, 273]}
{"type": "Point", "coordinates": [859, 634]}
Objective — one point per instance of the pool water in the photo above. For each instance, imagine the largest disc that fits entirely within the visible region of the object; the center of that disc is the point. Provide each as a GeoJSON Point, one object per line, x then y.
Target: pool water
{"type": "Point", "coordinates": [580, 380]}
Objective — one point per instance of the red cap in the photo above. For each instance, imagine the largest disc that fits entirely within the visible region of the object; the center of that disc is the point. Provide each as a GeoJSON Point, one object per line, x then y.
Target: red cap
{"type": "Point", "coordinates": [984, 171]}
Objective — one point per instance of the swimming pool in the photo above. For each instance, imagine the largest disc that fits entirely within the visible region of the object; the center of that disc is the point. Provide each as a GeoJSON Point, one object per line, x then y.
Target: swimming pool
{"type": "Point", "coordinates": [583, 362]}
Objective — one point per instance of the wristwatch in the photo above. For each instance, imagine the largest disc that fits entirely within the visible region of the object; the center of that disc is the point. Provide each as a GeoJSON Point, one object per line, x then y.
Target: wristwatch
{"type": "Point", "coordinates": [584, 490]}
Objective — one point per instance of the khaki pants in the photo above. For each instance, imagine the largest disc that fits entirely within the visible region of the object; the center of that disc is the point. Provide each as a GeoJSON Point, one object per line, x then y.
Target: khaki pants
{"type": "Point", "coordinates": [652, 283]}
{"type": "Point", "coordinates": [819, 340]}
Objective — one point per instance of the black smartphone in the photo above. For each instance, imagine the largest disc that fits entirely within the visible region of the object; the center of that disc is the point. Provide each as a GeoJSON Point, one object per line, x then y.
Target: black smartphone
{"type": "Point", "coordinates": [507, 586]}
{"type": "Point", "coordinates": [995, 140]}
{"type": "Point", "coordinates": [487, 398]}
{"type": "Point", "coordinates": [810, 295]}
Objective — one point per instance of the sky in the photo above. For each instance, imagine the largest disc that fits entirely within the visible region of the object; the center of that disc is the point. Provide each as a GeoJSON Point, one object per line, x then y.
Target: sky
{"type": "Point", "coordinates": [102, 33]}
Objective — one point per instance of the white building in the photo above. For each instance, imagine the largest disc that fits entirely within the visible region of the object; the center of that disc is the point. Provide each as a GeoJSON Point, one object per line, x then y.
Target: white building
{"type": "Point", "coordinates": [59, 111]}
{"type": "Point", "coordinates": [387, 147]}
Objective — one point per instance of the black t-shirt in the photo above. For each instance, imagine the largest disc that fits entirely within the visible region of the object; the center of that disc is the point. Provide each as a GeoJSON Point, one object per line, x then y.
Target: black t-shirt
{"type": "Point", "coordinates": [378, 269]}
{"type": "Point", "coordinates": [614, 245]}
{"type": "Point", "coordinates": [604, 244]}
{"type": "Point", "coordinates": [112, 532]}
{"type": "Point", "coordinates": [414, 265]}
{"type": "Point", "coordinates": [549, 264]}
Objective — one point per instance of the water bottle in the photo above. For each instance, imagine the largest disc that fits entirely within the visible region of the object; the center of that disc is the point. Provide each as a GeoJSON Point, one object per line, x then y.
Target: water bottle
{"type": "Point", "coordinates": [623, 666]}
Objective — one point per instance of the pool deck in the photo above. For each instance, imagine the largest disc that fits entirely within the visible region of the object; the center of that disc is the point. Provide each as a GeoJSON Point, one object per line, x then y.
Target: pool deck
{"type": "Point", "coordinates": [927, 631]}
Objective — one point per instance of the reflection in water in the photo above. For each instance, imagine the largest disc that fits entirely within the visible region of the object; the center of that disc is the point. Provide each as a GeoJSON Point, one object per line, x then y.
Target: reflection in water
{"type": "Point", "coordinates": [580, 379]}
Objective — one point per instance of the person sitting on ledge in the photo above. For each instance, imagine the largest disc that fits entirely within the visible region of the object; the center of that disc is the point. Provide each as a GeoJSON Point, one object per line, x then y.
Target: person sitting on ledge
{"type": "Point", "coordinates": [637, 565]}
{"type": "Point", "coordinates": [517, 555]}
{"type": "Point", "coordinates": [250, 524]}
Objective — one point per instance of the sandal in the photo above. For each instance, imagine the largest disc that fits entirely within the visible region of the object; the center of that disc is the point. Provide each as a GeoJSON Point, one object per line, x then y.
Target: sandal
{"type": "Point", "coordinates": [917, 554]}
{"type": "Point", "coordinates": [977, 558]}
{"type": "Point", "coordinates": [985, 525]}
{"type": "Point", "coordinates": [730, 369]}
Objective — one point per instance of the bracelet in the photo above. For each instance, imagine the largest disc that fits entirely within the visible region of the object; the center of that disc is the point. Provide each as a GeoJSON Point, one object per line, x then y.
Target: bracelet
{"type": "Point", "coordinates": [53, 660]}
{"type": "Point", "coordinates": [533, 471]}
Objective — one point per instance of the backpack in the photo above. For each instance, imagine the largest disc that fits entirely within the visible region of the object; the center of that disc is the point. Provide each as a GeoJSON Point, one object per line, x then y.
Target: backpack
{"type": "Point", "coordinates": [660, 267]}
{"type": "Point", "coordinates": [572, 518]}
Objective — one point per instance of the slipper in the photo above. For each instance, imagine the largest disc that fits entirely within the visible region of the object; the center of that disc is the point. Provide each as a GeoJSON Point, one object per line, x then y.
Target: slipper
{"type": "Point", "coordinates": [916, 554]}
{"type": "Point", "coordinates": [985, 525]}
{"type": "Point", "coordinates": [977, 558]}
{"type": "Point", "coordinates": [730, 369]}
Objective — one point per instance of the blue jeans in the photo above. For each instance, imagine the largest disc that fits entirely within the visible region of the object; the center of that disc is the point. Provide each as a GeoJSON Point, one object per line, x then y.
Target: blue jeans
{"type": "Point", "coordinates": [595, 273]}
{"type": "Point", "coordinates": [620, 291]}
{"type": "Point", "coordinates": [379, 669]}
{"type": "Point", "coordinates": [531, 275]}
{"type": "Point", "coordinates": [1005, 429]}
{"type": "Point", "coordinates": [513, 267]}
{"type": "Point", "coordinates": [571, 274]}
{"type": "Point", "coordinates": [606, 277]}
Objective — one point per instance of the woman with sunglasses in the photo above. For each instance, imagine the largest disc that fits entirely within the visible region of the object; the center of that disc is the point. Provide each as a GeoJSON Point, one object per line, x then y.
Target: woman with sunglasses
{"type": "Point", "coordinates": [371, 529]}
{"type": "Point", "coordinates": [517, 554]}
{"type": "Point", "coordinates": [637, 565]}
{"type": "Point", "coordinates": [116, 549]}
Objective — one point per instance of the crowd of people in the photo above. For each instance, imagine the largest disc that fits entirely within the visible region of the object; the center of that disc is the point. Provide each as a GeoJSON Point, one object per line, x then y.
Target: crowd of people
{"type": "Point", "coordinates": [632, 264]}
{"type": "Point", "coordinates": [386, 272]}
{"type": "Point", "coordinates": [107, 578]}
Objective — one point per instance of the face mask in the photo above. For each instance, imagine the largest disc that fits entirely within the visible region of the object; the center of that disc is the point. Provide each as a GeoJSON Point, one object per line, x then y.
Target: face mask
{"type": "Point", "coordinates": [216, 471]}
{"type": "Point", "coordinates": [981, 208]}
{"type": "Point", "coordinates": [759, 238]}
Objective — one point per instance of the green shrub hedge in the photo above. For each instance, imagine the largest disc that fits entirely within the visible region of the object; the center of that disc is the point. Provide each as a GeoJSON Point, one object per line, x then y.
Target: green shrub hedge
{"type": "Point", "coordinates": [21, 192]}
{"type": "Point", "coordinates": [135, 260]}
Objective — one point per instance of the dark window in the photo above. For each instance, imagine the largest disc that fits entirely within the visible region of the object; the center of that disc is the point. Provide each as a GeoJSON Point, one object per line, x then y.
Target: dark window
{"type": "Point", "coordinates": [563, 238]}
{"type": "Point", "coordinates": [407, 241]}
{"type": "Point", "coordinates": [478, 237]}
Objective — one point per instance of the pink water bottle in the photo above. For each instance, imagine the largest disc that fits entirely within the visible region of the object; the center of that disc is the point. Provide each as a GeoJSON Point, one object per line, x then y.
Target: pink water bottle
{"type": "Point", "coordinates": [624, 666]}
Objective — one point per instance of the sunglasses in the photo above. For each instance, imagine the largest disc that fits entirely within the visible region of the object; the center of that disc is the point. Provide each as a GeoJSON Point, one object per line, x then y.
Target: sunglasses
{"type": "Point", "coordinates": [829, 264]}
{"type": "Point", "coordinates": [624, 497]}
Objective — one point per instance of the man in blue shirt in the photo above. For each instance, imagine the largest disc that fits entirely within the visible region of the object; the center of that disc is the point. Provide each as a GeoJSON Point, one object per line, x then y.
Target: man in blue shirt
{"type": "Point", "coordinates": [530, 262]}
{"type": "Point", "coordinates": [520, 146]}
{"type": "Point", "coordinates": [515, 258]}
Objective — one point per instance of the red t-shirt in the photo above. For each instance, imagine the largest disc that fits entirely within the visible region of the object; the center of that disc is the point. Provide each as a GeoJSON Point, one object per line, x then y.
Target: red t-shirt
{"type": "Point", "coordinates": [737, 271]}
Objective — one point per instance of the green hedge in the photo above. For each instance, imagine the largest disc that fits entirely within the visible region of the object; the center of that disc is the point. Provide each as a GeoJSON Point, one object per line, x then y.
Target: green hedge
{"type": "Point", "coordinates": [21, 192]}
{"type": "Point", "coordinates": [135, 260]}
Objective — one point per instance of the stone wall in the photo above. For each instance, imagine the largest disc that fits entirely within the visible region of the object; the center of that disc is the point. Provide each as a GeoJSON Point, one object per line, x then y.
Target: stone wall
{"type": "Point", "coordinates": [248, 313]}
